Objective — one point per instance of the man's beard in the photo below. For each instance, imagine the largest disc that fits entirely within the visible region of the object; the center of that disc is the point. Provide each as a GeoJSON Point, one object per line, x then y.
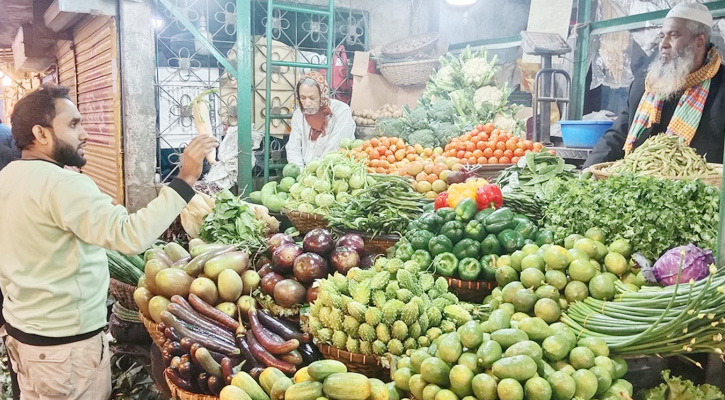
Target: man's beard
{"type": "Point", "coordinates": [65, 155]}
{"type": "Point", "coordinates": [667, 79]}
{"type": "Point", "coordinates": [310, 111]}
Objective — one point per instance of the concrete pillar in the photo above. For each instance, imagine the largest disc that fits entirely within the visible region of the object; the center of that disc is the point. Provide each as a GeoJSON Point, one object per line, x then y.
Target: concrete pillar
{"type": "Point", "coordinates": [138, 73]}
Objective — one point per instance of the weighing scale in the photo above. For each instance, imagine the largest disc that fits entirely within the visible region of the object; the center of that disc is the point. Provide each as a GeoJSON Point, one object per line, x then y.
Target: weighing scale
{"type": "Point", "coordinates": [548, 45]}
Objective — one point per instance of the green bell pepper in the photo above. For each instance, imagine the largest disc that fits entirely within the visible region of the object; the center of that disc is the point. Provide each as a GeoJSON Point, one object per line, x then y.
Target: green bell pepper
{"type": "Point", "coordinates": [501, 219]}
{"type": "Point", "coordinates": [390, 253]}
{"type": "Point", "coordinates": [526, 229]}
{"type": "Point", "coordinates": [469, 269]}
{"type": "Point", "coordinates": [475, 230]}
{"type": "Point", "coordinates": [490, 245]}
{"type": "Point", "coordinates": [414, 225]}
{"type": "Point", "coordinates": [454, 230]}
{"type": "Point", "coordinates": [467, 248]}
{"type": "Point", "coordinates": [466, 210]}
{"type": "Point", "coordinates": [420, 239]}
{"type": "Point", "coordinates": [446, 214]}
{"type": "Point", "coordinates": [430, 222]}
{"type": "Point", "coordinates": [510, 240]}
{"type": "Point", "coordinates": [520, 218]}
{"type": "Point", "coordinates": [446, 264]}
{"type": "Point", "coordinates": [429, 207]}
{"type": "Point", "coordinates": [439, 244]}
{"type": "Point", "coordinates": [544, 236]}
{"type": "Point", "coordinates": [405, 251]}
{"type": "Point", "coordinates": [423, 259]}
{"type": "Point", "coordinates": [483, 214]}
{"type": "Point", "coordinates": [488, 268]}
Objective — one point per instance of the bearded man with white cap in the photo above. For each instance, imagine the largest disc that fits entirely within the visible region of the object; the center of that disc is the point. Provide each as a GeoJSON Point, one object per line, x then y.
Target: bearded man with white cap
{"type": "Point", "coordinates": [683, 93]}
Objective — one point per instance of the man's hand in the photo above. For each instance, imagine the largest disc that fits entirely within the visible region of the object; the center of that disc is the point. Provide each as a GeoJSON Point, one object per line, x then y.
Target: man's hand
{"type": "Point", "coordinates": [192, 160]}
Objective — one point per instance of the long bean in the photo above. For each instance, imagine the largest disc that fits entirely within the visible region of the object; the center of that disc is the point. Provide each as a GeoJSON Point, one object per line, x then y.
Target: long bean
{"type": "Point", "coordinates": [663, 155]}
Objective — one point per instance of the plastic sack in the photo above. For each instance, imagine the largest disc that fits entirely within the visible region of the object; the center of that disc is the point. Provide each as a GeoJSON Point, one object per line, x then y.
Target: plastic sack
{"type": "Point", "coordinates": [695, 263]}
{"type": "Point", "coordinates": [224, 173]}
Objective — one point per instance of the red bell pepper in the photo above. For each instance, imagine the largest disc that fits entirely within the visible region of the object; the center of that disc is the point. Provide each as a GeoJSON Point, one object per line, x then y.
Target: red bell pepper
{"type": "Point", "coordinates": [489, 196]}
{"type": "Point", "coordinates": [441, 200]}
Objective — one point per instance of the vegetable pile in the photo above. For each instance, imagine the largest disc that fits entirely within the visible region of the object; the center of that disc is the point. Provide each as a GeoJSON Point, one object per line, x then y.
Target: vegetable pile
{"type": "Point", "coordinates": [233, 221]}
{"type": "Point", "coordinates": [287, 278]}
{"type": "Point", "coordinates": [652, 214]}
{"type": "Point", "coordinates": [527, 186]}
{"type": "Point", "coordinates": [676, 388]}
{"type": "Point", "coordinates": [324, 182]}
{"type": "Point", "coordinates": [274, 194]}
{"type": "Point", "coordinates": [386, 206]}
{"type": "Point", "coordinates": [464, 243]}
{"type": "Point", "coordinates": [674, 320]}
{"type": "Point", "coordinates": [392, 307]}
{"type": "Point", "coordinates": [126, 269]}
{"type": "Point", "coordinates": [488, 145]}
{"type": "Point", "coordinates": [196, 299]}
{"type": "Point", "coordinates": [663, 155]}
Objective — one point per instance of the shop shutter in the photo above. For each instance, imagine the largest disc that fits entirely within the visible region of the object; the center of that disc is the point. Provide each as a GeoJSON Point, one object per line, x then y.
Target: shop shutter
{"type": "Point", "coordinates": [89, 65]}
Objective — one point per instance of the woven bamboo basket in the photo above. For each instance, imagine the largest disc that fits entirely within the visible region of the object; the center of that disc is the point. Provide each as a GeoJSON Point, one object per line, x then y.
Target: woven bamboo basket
{"type": "Point", "coordinates": [490, 172]}
{"type": "Point", "coordinates": [305, 222]}
{"type": "Point", "coordinates": [370, 366]}
{"type": "Point", "coordinates": [181, 394]}
{"type": "Point", "coordinates": [470, 291]}
{"type": "Point", "coordinates": [123, 293]}
{"type": "Point", "coordinates": [378, 244]}
{"type": "Point", "coordinates": [408, 73]}
{"type": "Point", "coordinates": [157, 335]}
{"type": "Point", "coordinates": [365, 132]}
{"type": "Point", "coordinates": [715, 179]}
{"type": "Point", "coordinates": [411, 46]}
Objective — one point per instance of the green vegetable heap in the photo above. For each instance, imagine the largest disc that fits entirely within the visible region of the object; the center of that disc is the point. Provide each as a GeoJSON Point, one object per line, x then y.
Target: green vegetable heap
{"type": "Point", "coordinates": [233, 222]}
{"type": "Point", "coordinates": [461, 94]}
{"type": "Point", "coordinates": [392, 307]}
{"type": "Point", "coordinates": [386, 206]}
{"type": "Point", "coordinates": [465, 243]}
{"type": "Point", "coordinates": [327, 181]}
{"type": "Point", "coordinates": [676, 388]}
{"type": "Point", "coordinates": [652, 214]}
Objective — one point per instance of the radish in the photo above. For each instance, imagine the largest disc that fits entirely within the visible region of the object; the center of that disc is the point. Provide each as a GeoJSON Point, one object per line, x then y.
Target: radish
{"type": "Point", "coordinates": [203, 122]}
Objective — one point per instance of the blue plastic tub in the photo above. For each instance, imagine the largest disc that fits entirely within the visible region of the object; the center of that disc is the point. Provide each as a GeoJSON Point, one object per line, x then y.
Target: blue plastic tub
{"type": "Point", "coordinates": [584, 134]}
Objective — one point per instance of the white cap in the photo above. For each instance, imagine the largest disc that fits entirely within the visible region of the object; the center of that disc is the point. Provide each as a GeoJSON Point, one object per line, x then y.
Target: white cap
{"type": "Point", "coordinates": [693, 12]}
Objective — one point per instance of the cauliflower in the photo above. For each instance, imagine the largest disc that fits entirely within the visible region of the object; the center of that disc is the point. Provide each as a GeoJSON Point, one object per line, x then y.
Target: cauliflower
{"type": "Point", "coordinates": [478, 71]}
{"type": "Point", "coordinates": [505, 122]}
{"type": "Point", "coordinates": [489, 94]}
{"type": "Point", "coordinates": [445, 79]}
{"type": "Point", "coordinates": [443, 110]}
{"type": "Point", "coordinates": [462, 101]}
{"type": "Point", "coordinates": [424, 137]}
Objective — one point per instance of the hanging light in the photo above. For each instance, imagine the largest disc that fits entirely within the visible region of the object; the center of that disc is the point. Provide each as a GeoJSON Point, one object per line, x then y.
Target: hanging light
{"type": "Point", "coordinates": [157, 22]}
{"type": "Point", "coordinates": [461, 2]}
{"type": "Point", "coordinates": [7, 81]}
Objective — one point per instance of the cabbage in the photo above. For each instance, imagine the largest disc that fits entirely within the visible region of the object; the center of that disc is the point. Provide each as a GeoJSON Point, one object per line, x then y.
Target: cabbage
{"type": "Point", "coordinates": [695, 263]}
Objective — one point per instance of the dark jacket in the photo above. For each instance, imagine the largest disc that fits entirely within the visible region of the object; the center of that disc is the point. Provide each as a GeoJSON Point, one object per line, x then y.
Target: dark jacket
{"type": "Point", "coordinates": [6, 155]}
{"type": "Point", "coordinates": [708, 139]}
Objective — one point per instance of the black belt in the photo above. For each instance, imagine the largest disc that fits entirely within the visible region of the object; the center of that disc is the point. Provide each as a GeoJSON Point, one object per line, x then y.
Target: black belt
{"type": "Point", "coordinates": [37, 340]}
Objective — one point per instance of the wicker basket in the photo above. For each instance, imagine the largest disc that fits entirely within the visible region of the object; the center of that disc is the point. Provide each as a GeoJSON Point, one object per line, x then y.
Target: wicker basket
{"type": "Point", "coordinates": [370, 366]}
{"type": "Point", "coordinates": [123, 293]}
{"type": "Point", "coordinates": [714, 179]}
{"type": "Point", "coordinates": [181, 394]}
{"type": "Point", "coordinates": [408, 73]}
{"type": "Point", "coordinates": [470, 291]}
{"type": "Point", "coordinates": [305, 222]}
{"type": "Point", "coordinates": [411, 46]}
{"type": "Point", "coordinates": [157, 335]}
{"type": "Point", "coordinates": [490, 172]}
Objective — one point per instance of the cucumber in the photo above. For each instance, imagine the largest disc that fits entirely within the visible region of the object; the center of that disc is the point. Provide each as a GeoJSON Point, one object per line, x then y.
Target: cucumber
{"type": "Point", "coordinates": [509, 337]}
{"type": "Point", "coordinates": [304, 391]}
{"type": "Point", "coordinates": [280, 388]}
{"type": "Point", "coordinates": [435, 370]}
{"type": "Point", "coordinates": [347, 386]}
{"type": "Point", "coordinates": [245, 381]}
{"type": "Point", "coordinates": [269, 377]}
{"type": "Point", "coordinates": [319, 370]}
{"type": "Point", "coordinates": [520, 368]}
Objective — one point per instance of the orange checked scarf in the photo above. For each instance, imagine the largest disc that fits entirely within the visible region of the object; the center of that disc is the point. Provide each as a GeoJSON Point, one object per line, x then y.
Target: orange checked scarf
{"type": "Point", "coordinates": [688, 113]}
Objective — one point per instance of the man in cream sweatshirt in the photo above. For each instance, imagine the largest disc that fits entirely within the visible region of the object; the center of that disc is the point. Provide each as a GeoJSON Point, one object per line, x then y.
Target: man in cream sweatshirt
{"type": "Point", "coordinates": [54, 226]}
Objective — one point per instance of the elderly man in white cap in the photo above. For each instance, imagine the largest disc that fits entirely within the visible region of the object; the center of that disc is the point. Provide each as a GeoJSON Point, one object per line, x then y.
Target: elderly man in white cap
{"type": "Point", "coordinates": [683, 94]}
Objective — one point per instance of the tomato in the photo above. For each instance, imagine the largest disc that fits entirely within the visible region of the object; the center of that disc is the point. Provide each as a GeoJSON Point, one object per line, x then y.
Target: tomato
{"type": "Point", "coordinates": [472, 160]}
{"type": "Point", "coordinates": [538, 146]}
{"type": "Point", "coordinates": [504, 160]}
{"type": "Point", "coordinates": [514, 160]}
{"type": "Point", "coordinates": [518, 152]}
{"type": "Point", "coordinates": [488, 128]}
{"type": "Point", "coordinates": [482, 160]}
{"type": "Point", "coordinates": [508, 153]}
{"type": "Point", "coordinates": [495, 132]}
{"type": "Point", "coordinates": [529, 144]}
{"type": "Point", "coordinates": [501, 146]}
{"type": "Point", "coordinates": [461, 154]}
{"type": "Point", "coordinates": [493, 160]}
{"type": "Point", "coordinates": [375, 142]}
{"type": "Point", "coordinates": [477, 153]}
{"type": "Point", "coordinates": [498, 153]}
{"type": "Point", "coordinates": [511, 144]}
{"type": "Point", "coordinates": [481, 145]}
{"type": "Point", "coordinates": [470, 146]}
{"type": "Point", "coordinates": [487, 152]}
{"type": "Point", "coordinates": [481, 127]}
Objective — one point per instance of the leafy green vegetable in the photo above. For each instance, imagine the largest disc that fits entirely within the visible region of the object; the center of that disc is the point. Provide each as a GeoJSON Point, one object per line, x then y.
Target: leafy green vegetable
{"type": "Point", "coordinates": [233, 222]}
{"type": "Point", "coordinates": [676, 388]}
{"type": "Point", "coordinates": [652, 214]}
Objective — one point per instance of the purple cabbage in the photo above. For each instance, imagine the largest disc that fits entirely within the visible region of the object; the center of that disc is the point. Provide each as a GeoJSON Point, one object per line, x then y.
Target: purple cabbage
{"type": "Point", "coordinates": [695, 264]}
